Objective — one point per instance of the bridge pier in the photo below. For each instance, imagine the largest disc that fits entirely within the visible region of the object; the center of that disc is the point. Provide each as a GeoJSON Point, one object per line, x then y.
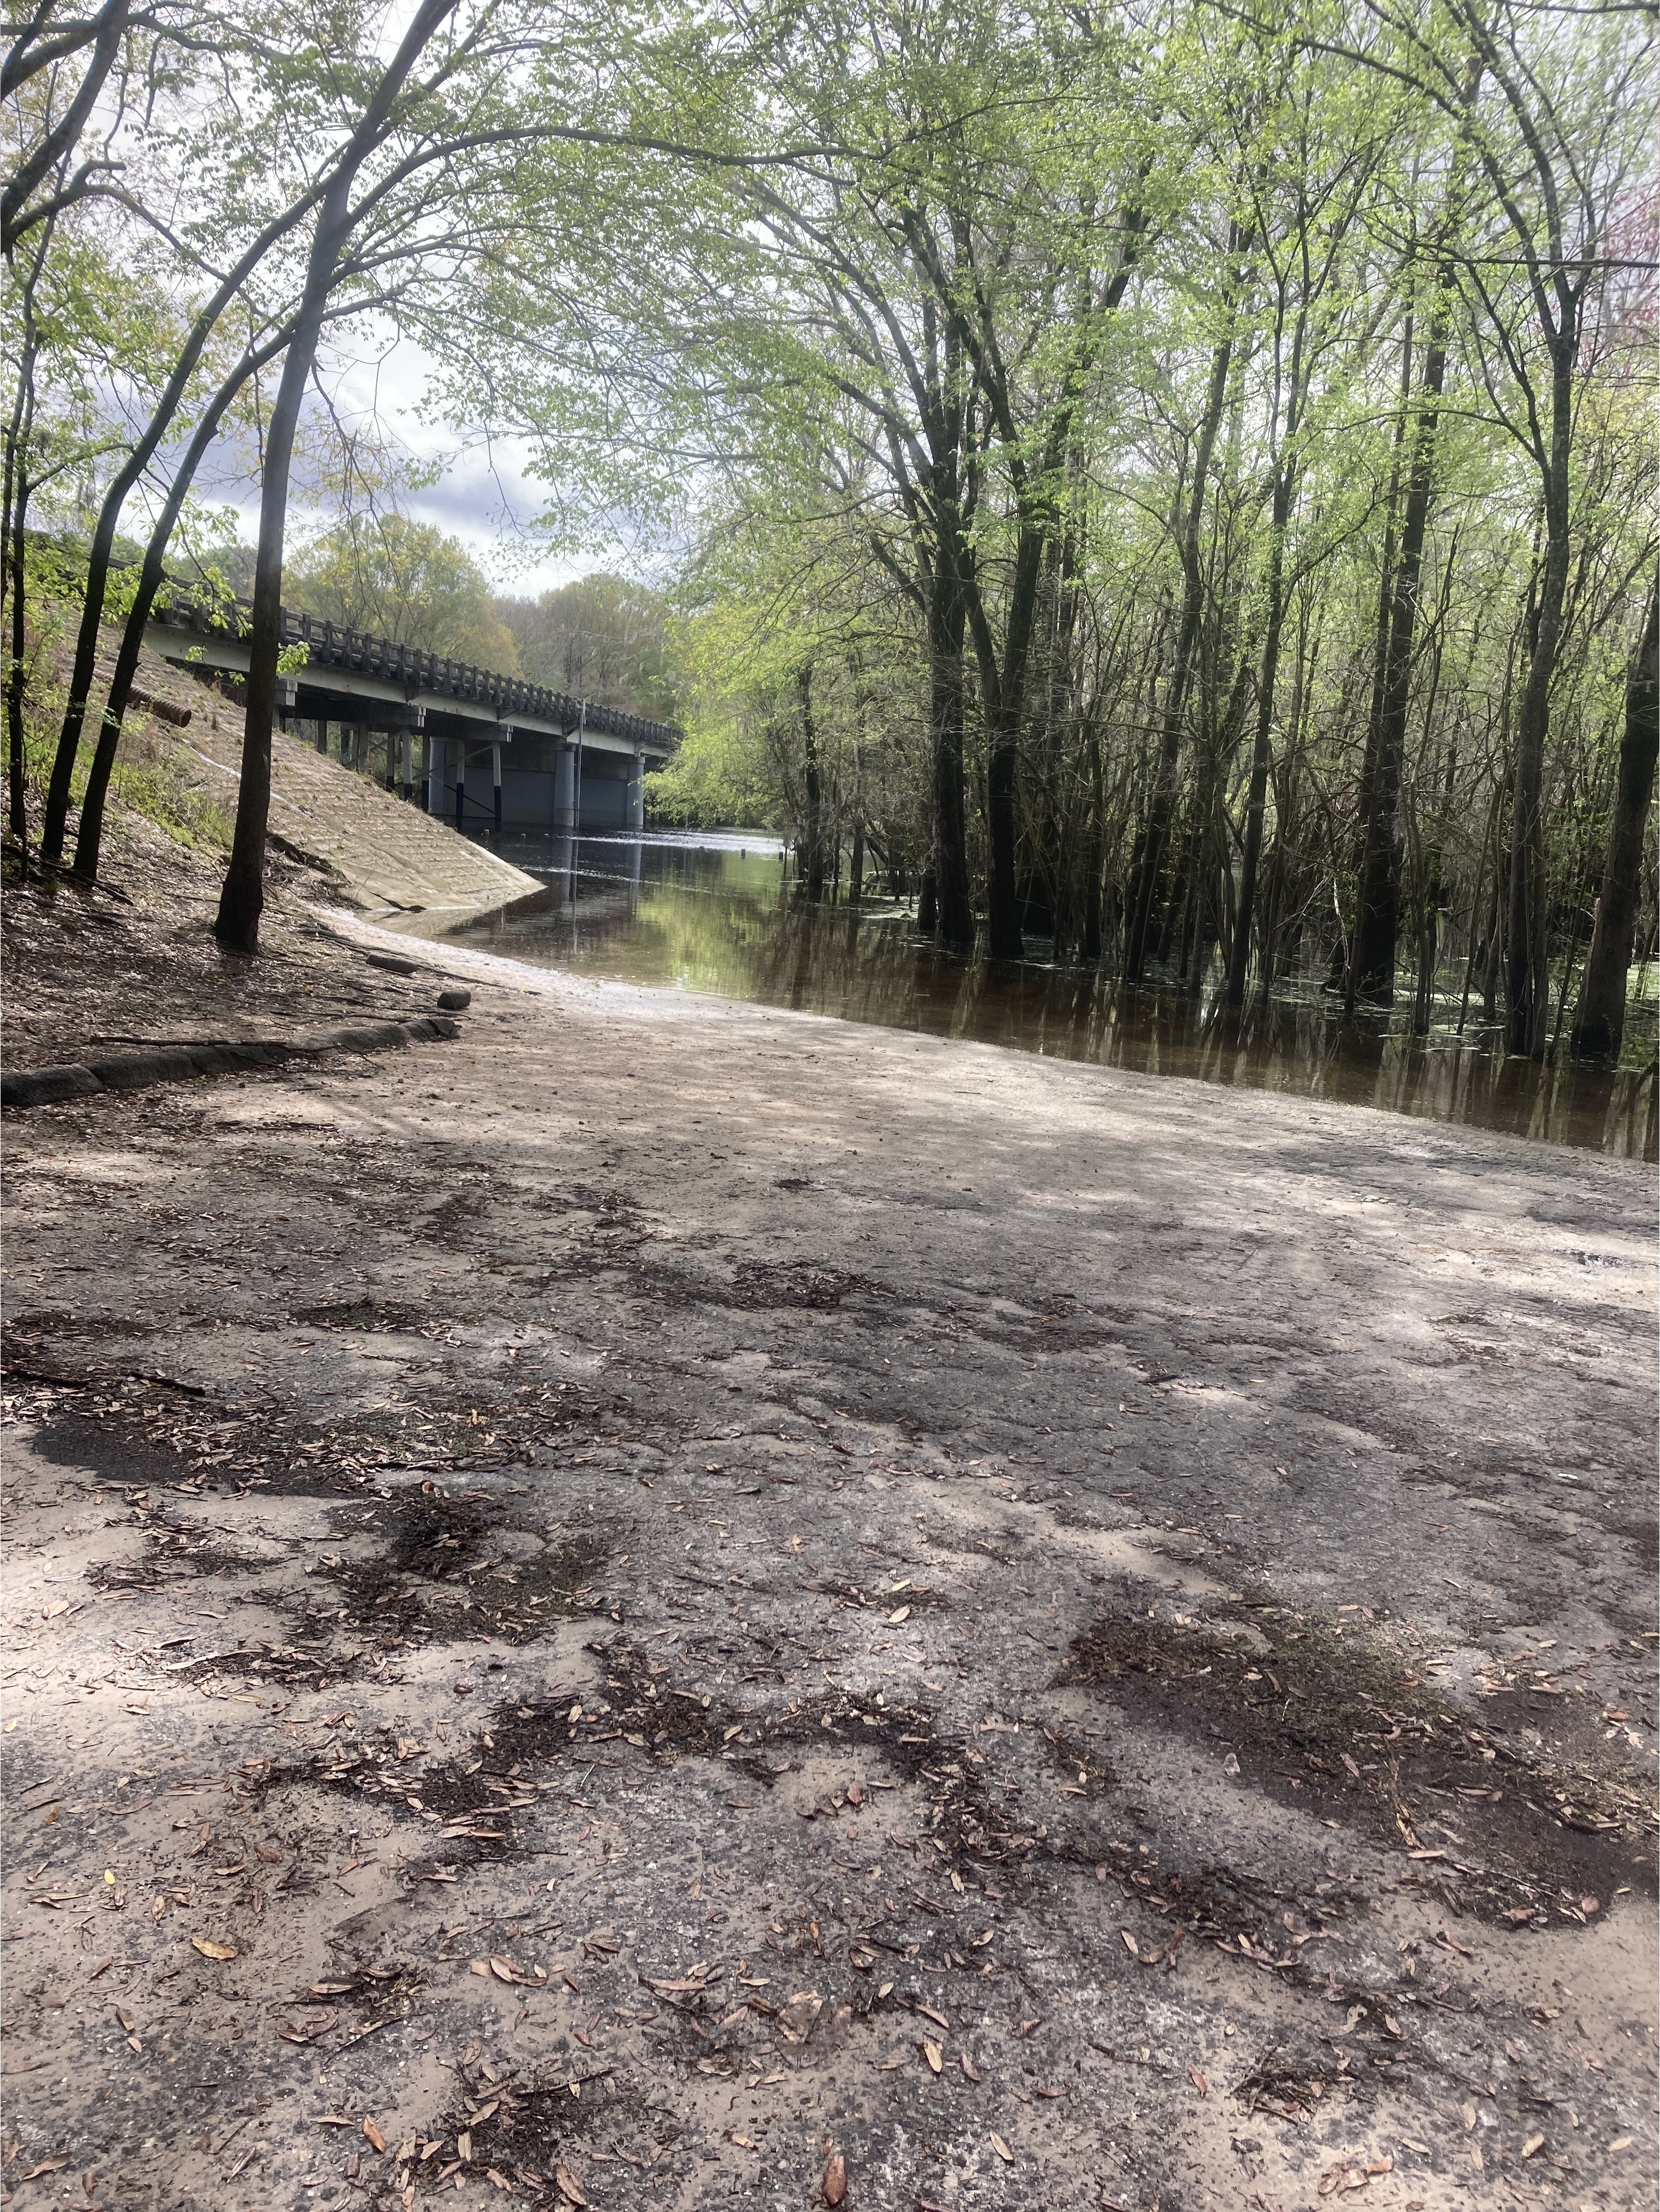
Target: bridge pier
{"type": "Point", "coordinates": [636, 799]}
{"type": "Point", "coordinates": [564, 787]}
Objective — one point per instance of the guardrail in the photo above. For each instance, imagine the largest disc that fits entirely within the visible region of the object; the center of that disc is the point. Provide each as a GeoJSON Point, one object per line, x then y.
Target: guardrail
{"type": "Point", "coordinates": [333, 645]}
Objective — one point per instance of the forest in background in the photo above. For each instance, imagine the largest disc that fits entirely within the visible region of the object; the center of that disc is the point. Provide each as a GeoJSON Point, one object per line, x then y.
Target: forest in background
{"type": "Point", "coordinates": [1175, 483]}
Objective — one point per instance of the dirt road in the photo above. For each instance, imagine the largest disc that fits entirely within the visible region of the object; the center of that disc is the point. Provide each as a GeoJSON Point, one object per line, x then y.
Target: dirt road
{"type": "Point", "coordinates": [608, 1611]}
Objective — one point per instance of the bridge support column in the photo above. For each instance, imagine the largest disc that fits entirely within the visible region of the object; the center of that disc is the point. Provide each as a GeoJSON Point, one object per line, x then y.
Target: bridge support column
{"type": "Point", "coordinates": [636, 809]}
{"type": "Point", "coordinates": [432, 798]}
{"type": "Point", "coordinates": [405, 765]}
{"type": "Point", "coordinates": [564, 787]}
{"type": "Point", "coordinates": [495, 784]}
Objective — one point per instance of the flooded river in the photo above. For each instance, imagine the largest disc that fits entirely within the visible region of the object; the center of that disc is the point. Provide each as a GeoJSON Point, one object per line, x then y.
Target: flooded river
{"type": "Point", "coordinates": [707, 911]}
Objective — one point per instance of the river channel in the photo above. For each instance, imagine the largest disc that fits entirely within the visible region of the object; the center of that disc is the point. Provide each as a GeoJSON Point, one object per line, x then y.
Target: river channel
{"type": "Point", "coordinates": [708, 911]}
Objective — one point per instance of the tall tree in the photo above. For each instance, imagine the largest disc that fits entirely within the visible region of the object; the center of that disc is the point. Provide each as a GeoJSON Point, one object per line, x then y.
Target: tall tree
{"type": "Point", "coordinates": [1600, 1018]}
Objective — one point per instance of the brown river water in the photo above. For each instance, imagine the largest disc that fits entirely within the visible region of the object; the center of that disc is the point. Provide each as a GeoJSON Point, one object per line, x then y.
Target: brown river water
{"type": "Point", "coordinates": [707, 911]}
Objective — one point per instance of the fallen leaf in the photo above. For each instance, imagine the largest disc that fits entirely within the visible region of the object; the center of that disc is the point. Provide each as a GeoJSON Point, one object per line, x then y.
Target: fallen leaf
{"type": "Point", "coordinates": [1000, 2148]}
{"type": "Point", "coordinates": [1340, 2177]}
{"type": "Point", "coordinates": [1467, 2114]}
{"type": "Point", "coordinates": [502, 1970]}
{"type": "Point", "coordinates": [372, 2134]}
{"type": "Point", "coordinates": [935, 2057]}
{"type": "Point", "coordinates": [1130, 1943]}
{"type": "Point", "coordinates": [567, 2185]}
{"type": "Point", "coordinates": [968, 2065]}
{"type": "Point", "coordinates": [212, 1950]}
{"type": "Point", "coordinates": [331, 1989]}
{"type": "Point", "coordinates": [1532, 2144]}
{"type": "Point", "coordinates": [938, 2018]}
{"type": "Point", "coordinates": [901, 1613]}
{"type": "Point", "coordinates": [46, 2165]}
{"type": "Point", "coordinates": [834, 2183]}
{"type": "Point", "coordinates": [1198, 2081]}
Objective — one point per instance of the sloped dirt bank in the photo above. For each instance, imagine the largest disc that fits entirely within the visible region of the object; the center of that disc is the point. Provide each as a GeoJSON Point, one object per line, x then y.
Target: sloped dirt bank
{"type": "Point", "coordinates": [670, 1586]}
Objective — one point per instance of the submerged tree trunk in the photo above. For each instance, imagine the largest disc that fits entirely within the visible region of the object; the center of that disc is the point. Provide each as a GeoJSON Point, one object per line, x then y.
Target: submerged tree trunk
{"type": "Point", "coordinates": [1600, 1019]}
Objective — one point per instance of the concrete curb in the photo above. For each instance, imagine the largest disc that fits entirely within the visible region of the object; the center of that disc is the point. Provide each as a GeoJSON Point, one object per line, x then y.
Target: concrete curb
{"type": "Point", "coordinates": [133, 1071]}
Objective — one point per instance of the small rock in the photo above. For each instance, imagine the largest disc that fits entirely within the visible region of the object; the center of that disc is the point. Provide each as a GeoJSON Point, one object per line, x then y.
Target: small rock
{"type": "Point", "coordinates": [454, 1001]}
{"type": "Point", "coordinates": [1230, 1765]}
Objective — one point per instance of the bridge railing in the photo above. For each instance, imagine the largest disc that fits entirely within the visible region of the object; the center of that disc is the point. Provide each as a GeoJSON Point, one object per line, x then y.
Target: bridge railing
{"type": "Point", "coordinates": [334, 645]}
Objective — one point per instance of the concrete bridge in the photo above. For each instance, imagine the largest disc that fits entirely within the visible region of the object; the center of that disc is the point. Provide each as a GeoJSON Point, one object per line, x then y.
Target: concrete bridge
{"type": "Point", "coordinates": [484, 751]}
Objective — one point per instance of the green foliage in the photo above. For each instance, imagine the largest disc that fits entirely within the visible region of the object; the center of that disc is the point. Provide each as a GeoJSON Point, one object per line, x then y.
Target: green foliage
{"type": "Point", "coordinates": [601, 638]}
{"type": "Point", "coordinates": [404, 580]}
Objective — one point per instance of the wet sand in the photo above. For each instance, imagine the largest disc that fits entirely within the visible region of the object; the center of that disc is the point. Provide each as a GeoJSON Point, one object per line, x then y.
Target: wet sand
{"type": "Point", "coordinates": [670, 1588]}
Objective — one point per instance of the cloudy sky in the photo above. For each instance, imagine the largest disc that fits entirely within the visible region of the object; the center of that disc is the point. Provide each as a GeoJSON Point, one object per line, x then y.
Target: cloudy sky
{"type": "Point", "coordinates": [480, 493]}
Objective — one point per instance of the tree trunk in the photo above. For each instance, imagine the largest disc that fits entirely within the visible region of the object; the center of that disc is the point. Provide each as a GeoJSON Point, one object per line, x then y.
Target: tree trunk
{"type": "Point", "coordinates": [1527, 980]}
{"type": "Point", "coordinates": [1005, 700]}
{"type": "Point", "coordinates": [167, 407]}
{"type": "Point", "coordinates": [1376, 928]}
{"type": "Point", "coordinates": [954, 915]}
{"type": "Point", "coordinates": [89, 839]}
{"type": "Point", "coordinates": [242, 896]}
{"type": "Point", "coordinates": [1600, 1018]}
{"type": "Point", "coordinates": [1162, 808]}
{"type": "Point", "coordinates": [241, 900]}
{"type": "Point", "coordinates": [1385, 598]}
{"type": "Point", "coordinates": [14, 554]}
{"type": "Point", "coordinates": [812, 876]}
{"type": "Point", "coordinates": [1257, 797]}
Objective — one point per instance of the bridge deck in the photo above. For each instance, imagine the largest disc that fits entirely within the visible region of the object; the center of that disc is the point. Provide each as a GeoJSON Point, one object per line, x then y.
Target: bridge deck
{"type": "Point", "coordinates": [351, 674]}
